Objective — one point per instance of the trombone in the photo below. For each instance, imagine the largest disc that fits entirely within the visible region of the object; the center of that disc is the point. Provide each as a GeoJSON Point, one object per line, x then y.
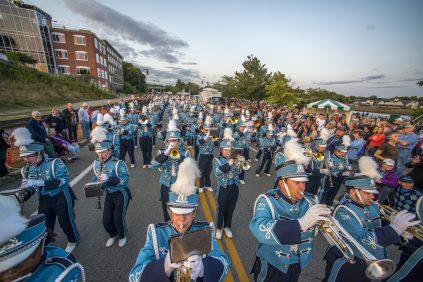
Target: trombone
{"type": "Point", "coordinates": [387, 212]}
{"type": "Point", "coordinates": [338, 236]}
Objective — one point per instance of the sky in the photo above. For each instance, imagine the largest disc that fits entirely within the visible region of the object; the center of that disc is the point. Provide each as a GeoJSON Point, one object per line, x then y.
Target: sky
{"type": "Point", "coordinates": [359, 48]}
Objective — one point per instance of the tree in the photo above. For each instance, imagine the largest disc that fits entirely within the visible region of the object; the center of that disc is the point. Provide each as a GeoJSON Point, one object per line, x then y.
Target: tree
{"type": "Point", "coordinates": [135, 77]}
{"type": "Point", "coordinates": [420, 83]}
{"type": "Point", "coordinates": [21, 58]}
{"type": "Point", "coordinates": [280, 92]}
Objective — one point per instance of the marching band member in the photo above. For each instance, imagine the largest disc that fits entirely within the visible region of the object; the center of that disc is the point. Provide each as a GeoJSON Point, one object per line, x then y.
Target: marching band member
{"type": "Point", "coordinates": [153, 262]}
{"type": "Point", "coordinates": [227, 175]}
{"type": "Point", "coordinates": [242, 138]}
{"type": "Point", "coordinates": [145, 133]}
{"type": "Point", "coordinates": [205, 157]}
{"type": "Point", "coordinates": [268, 146]}
{"type": "Point", "coordinates": [283, 222]}
{"type": "Point", "coordinates": [169, 164]}
{"type": "Point", "coordinates": [196, 129]}
{"type": "Point", "coordinates": [360, 217]}
{"type": "Point", "coordinates": [114, 174]}
{"type": "Point", "coordinates": [126, 132]}
{"type": "Point", "coordinates": [25, 254]}
{"type": "Point", "coordinates": [109, 124]}
{"type": "Point", "coordinates": [50, 178]}
{"type": "Point", "coordinates": [133, 118]}
{"type": "Point", "coordinates": [224, 122]}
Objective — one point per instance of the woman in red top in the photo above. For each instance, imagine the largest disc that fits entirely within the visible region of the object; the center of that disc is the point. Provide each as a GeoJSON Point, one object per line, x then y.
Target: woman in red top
{"type": "Point", "coordinates": [376, 140]}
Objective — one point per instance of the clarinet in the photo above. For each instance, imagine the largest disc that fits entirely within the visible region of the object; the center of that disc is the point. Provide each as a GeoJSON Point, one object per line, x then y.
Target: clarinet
{"type": "Point", "coordinates": [328, 166]}
{"type": "Point", "coordinates": [21, 197]}
{"type": "Point", "coordinates": [98, 204]}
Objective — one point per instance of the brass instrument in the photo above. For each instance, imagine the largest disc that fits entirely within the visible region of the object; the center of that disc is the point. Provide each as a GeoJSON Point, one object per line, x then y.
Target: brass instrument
{"type": "Point", "coordinates": [214, 138]}
{"type": "Point", "coordinates": [314, 155]}
{"type": "Point", "coordinates": [257, 124]}
{"type": "Point", "coordinates": [183, 276]}
{"type": "Point", "coordinates": [234, 120]}
{"type": "Point", "coordinates": [239, 160]}
{"type": "Point", "coordinates": [21, 193]}
{"type": "Point", "coordinates": [337, 235]}
{"type": "Point", "coordinates": [174, 153]}
{"type": "Point", "coordinates": [387, 212]}
{"type": "Point", "coordinates": [98, 203]}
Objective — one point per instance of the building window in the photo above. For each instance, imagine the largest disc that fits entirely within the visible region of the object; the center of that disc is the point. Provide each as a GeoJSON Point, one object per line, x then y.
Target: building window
{"type": "Point", "coordinates": [61, 54]}
{"type": "Point", "coordinates": [98, 72]}
{"type": "Point", "coordinates": [105, 75]}
{"type": "Point", "coordinates": [97, 58]}
{"type": "Point", "coordinates": [83, 70]}
{"type": "Point", "coordinates": [63, 69]}
{"type": "Point", "coordinates": [79, 40]}
{"type": "Point", "coordinates": [81, 56]}
{"type": "Point", "coordinates": [102, 73]}
{"type": "Point", "coordinates": [95, 43]}
{"type": "Point", "coordinates": [58, 37]}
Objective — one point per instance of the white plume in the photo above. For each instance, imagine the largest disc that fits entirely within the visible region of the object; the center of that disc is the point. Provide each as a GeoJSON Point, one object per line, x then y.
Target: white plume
{"type": "Point", "coordinates": [243, 119]}
{"type": "Point", "coordinates": [144, 110]}
{"type": "Point", "coordinates": [100, 119]}
{"type": "Point", "coordinates": [12, 223]}
{"type": "Point", "coordinates": [201, 116]}
{"type": "Point", "coordinates": [227, 134]}
{"type": "Point", "coordinates": [346, 140]}
{"type": "Point", "coordinates": [174, 111]}
{"type": "Point", "coordinates": [247, 112]}
{"type": "Point", "coordinates": [22, 136]}
{"type": "Point", "coordinates": [270, 127]}
{"type": "Point", "coordinates": [193, 108]}
{"type": "Point", "coordinates": [294, 151]}
{"type": "Point", "coordinates": [269, 115]}
{"type": "Point", "coordinates": [172, 126]}
{"type": "Point", "coordinates": [108, 118]}
{"type": "Point", "coordinates": [175, 116]}
{"type": "Point", "coordinates": [324, 134]}
{"type": "Point", "coordinates": [368, 166]}
{"type": "Point", "coordinates": [98, 134]}
{"type": "Point", "coordinates": [112, 110]}
{"type": "Point", "coordinates": [208, 121]}
{"type": "Point", "coordinates": [122, 112]}
{"type": "Point", "coordinates": [290, 131]}
{"type": "Point", "coordinates": [187, 174]}
{"type": "Point", "coordinates": [226, 111]}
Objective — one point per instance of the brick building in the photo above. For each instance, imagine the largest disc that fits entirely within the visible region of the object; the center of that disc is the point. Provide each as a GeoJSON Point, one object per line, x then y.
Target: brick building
{"type": "Point", "coordinates": [115, 67]}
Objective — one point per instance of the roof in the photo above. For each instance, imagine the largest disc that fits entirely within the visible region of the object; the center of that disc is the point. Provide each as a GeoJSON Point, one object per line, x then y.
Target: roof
{"type": "Point", "coordinates": [329, 104]}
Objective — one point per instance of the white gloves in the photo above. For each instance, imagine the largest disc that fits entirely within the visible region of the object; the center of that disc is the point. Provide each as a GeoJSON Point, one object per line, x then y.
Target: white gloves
{"type": "Point", "coordinates": [324, 171]}
{"type": "Point", "coordinates": [167, 151]}
{"type": "Point", "coordinates": [170, 267]}
{"type": "Point", "coordinates": [245, 130]}
{"type": "Point", "coordinates": [347, 173]}
{"type": "Point", "coordinates": [207, 135]}
{"type": "Point", "coordinates": [32, 183]}
{"type": "Point", "coordinates": [401, 221]}
{"type": "Point", "coordinates": [103, 177]}
{"type": "Point", "coordinates": [231, 161]}
{"type": "Point", "coordinates": [313, 215]}
{"type": "Point", "coordinates": [195, 262]}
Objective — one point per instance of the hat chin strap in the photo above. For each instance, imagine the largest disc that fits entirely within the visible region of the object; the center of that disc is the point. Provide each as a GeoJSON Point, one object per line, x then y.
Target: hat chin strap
{"type": "Point", "coordinates": [287, 190]}
{"type": "Point", "coordinates": [359, 196]}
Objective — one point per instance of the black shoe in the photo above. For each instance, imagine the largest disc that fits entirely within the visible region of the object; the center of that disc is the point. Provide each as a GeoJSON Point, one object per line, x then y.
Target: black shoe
{"type": "Point", "coordinates": [75, 159]}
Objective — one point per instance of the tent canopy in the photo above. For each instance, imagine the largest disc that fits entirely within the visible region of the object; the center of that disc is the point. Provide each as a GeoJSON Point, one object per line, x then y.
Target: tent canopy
{"type": "Point", "coordinates": [329, 104]}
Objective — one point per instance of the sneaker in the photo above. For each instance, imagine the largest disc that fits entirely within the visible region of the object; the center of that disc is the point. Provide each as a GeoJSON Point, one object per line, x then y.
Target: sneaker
{"type": "Point", "coordinates": [70, 247]}
{"type": "Point", "coordinates": [132, 165]}
{"type": "Point", "coordinates": [148, 166]}
{"type": "Point", "coordinates": [268, 174]}
{"type": "Point", "coordinates": [218, 234]}
{"type": "Point", "coordinates": [257, 174]}
{"type": "Point", "coordinates": [256, 160]}
{"type": "Point", "coordinates": [110, 242]}
{"type": "Point", "coordinates": [200, 190]}
{"type": "Point", "coordinates": [136, 146]}
{"type": "Point", "coordinates": [144, 166]}
{"type": "Point", "coordinates": [228, 232]}
{"type": "Point", "coordinates": [242, 182]}
{"type": "Point", "coordinates": [122, 242]}
{"type": "Point", "coordinates": [209, 189]}
{"type": "Point", "coordinates": [154, 146]}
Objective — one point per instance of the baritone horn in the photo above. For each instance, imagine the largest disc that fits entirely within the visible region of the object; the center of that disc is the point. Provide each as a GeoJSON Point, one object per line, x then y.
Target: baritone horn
{"type": "Point", "coordinates": [387, 212]}
{"type": "Point", "coordinates": [338, 236]}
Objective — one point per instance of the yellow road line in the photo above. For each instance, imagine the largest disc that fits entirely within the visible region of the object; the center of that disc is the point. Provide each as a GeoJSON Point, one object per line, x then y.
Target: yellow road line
{"type": "Point", "coordinates": [209, 218]}
{"type": "Point", "coordinates": [236, 260]}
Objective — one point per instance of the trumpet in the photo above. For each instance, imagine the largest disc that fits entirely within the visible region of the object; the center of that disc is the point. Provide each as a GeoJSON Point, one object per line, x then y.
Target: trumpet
{"type": "Point", "coordinates": [318, 155]}
{"type": "Point", "coordinates": [174, 153]}
{"type": "Point", "coordinates": [338, 236]}
{"type": "Point", "coordinates": [183, 276]}
{"type": "Point", "coordinates": [214, 138]}
{"type": "Point", "coordinates": [233, 120]}
{"type": "Point", "coordinates": [387, 212]}
{"type": "Point", "coordinates": [257, 124]}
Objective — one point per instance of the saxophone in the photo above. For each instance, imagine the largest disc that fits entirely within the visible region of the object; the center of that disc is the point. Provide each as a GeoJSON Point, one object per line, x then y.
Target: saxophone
{"type": "Point", "coordinates": [98, 203]}
{"type": "Point", "coordinates": [21, 197]}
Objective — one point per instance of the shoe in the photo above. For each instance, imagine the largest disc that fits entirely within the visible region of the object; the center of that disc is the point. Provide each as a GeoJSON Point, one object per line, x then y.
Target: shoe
{"type": "Point", "coordinates": [70, 247]}
{"type": "Point", "coordinates": [228, 232]}
{"type": "Point", "coordinates": [268, 174]}
{"type": "Point", "coordinates": [218, 234]}
{"type": "Point", "coordinates": [209, 189]}
{"type": "Point", "coordinates": [75, 158]}
{"type": "Point", "coordinates": [122, 242]}
{"type": "Point", "coordinates": [257, 174]}
{"type": "Point", "coordinates": [256, 160]}
{"type": "Point", "coordinates": [136, 146]}
{"type": "Point", "coordinates": [148, 166]}
{"type": "Point", "coordinates": [144, 166]}
{"type": "Point", "coordinates": [132, 165]}
{"type": "Point", "coordinates": [242, 182]}
{"type": "Point", "coordinates": [110, 242]}
{"type": "Point", "coordinates": [70, 161]}
{"type": "Point", "coordinates": [200, 190]}
{"type": "Point", "coordinates": [154, 146]}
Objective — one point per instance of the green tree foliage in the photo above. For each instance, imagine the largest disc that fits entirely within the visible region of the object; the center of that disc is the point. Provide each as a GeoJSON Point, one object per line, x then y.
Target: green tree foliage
{"type": "Point", "coordinates": [135, 77]}
{"type": "Point", "coordinates": [21, 58]}
{"type": "Point", "coordinates": [280, 92]}
{"type": "Point", "coordinates": [420, 83]}
{"type": "Point", "coordinates": [249, 83]}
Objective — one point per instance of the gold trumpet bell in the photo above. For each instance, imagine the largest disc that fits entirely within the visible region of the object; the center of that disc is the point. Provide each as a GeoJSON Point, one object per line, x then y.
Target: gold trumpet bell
{"type": "Point", "coordinates": [174, 153]}
{"type": "Point", "coordinates": [234, 120]}
{"type": "Point", "coordinates": [380, 269]}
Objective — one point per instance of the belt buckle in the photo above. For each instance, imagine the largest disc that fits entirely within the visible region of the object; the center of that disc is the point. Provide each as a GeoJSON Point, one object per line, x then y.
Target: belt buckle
{"type": "Point", "coordinates": [294, 248]}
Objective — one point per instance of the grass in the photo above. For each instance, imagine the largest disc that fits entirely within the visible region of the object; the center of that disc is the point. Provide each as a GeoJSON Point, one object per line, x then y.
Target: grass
{"type": "Point", "coordinates": [26, 88]}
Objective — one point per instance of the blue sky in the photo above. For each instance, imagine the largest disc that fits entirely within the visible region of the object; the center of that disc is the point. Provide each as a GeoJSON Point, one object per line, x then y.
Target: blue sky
{"type": "Point", "coordinates": [359, 47]}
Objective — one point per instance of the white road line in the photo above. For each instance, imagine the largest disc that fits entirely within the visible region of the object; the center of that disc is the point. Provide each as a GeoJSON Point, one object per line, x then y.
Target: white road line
{"type": "Point", "coordinates": [251, 148]}
{"type": "Point", "coordinates": [74, 181]}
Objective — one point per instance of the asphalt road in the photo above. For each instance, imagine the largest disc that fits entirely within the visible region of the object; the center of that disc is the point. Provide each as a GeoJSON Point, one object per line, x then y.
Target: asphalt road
{"type": "Point", "coordinates": [113, 264]}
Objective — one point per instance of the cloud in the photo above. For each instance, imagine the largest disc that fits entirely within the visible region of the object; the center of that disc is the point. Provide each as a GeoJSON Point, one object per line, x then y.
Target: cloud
{"type": "Point", "coordinates": [370, 27]}
{"type": "Point", "coordinates": [387, 86]}
{"type": "Point", "coordinates": [172, 74]}
{"type": "Point", "coordinates": [411, 79]}
{"type": "Point", "coordinates": [189, 63]}
{"type": "Point", "coordinates": [364, 79]}
{"type": "Point", "coordinates": [163, 45]}
{"type": "Point", "coordinates": [123, 48]}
